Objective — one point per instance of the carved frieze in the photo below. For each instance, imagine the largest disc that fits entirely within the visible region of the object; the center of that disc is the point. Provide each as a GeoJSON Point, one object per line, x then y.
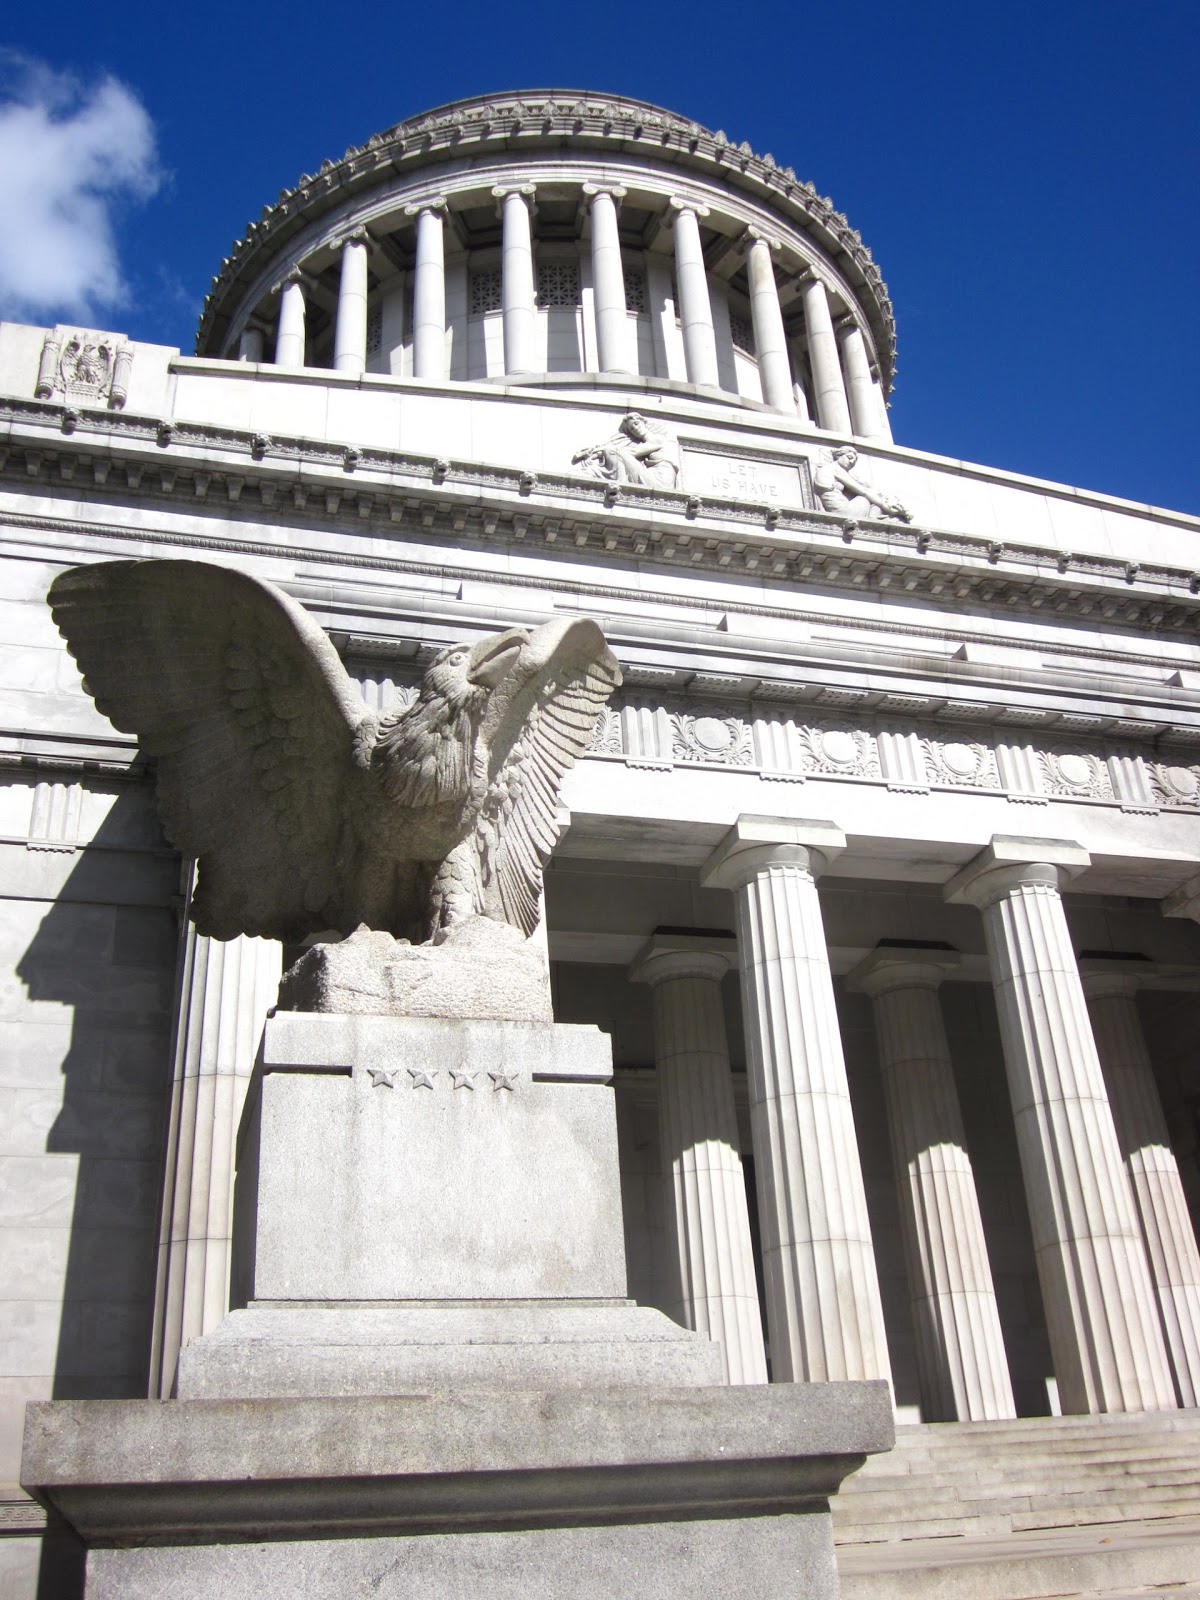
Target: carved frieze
{"type": "Point", "coordinates": [1174, 785]}
{"type": "Point", "coordinates": [905, 756]}
{"type": "Point", "coordinates": [839, 750]}
{"type": "Point", "coordinates": [606, 735]}
{"type": "Point", "coordinates": [961, 763]}
{"type": "Point", "coordinates": [1075, 773]}
{"type": "Point", "coordinates": [725, 740]}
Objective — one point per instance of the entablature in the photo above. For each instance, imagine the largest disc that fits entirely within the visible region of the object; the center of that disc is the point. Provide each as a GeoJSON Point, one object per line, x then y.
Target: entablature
{"type": "Point", "coordinates": [114, 456]}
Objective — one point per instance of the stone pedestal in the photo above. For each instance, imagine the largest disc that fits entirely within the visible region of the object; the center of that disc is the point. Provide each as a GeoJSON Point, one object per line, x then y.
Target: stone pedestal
{"type": "Point", "coordinates": [437, 1386]}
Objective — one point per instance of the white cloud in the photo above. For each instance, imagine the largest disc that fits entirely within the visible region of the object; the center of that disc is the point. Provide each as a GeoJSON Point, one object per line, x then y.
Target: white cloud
{"type": "Point", "coordinates": [70, 153]}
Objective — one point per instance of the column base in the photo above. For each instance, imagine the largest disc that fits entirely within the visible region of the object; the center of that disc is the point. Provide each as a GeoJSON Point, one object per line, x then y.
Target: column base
{"type": "Point", "coordinates": [587, 1493]}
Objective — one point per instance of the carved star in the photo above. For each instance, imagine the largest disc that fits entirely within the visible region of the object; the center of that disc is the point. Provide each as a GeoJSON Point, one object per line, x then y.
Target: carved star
{"type": "Point", "coordinates": [503, 1080]}
{"type": "Point", "coordinates": [421, 1079]}
{"type": "Point", "coordinates": [381, 1079]}
{"type": "Point", "coordinates": [463, 1080]}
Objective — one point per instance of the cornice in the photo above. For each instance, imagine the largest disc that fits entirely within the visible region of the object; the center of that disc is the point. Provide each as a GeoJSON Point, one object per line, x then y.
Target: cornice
{"type": "Point", "coordinates": [187, 464]}
{"type": "Point", "coordinates": [562, 119]}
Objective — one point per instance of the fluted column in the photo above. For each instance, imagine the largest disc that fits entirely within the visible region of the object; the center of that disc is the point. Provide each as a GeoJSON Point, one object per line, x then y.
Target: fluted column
{"type": "Point", "coordinates": [1158, 1196]}
{"type": "Point", "coordinates": [429, 292]}
{"type": "Point", "coordinates": [1104, 1335]}
{"type": "Point", "coordinates": [699, 1143]}
{"type": "Point", "coordinates": [613, 335]}
{"type": "Point", "coordinates": [960, 1348]}
{"type": "Point", "coordinates": [823, 1307]}
{"type": "Point", "coordinates": [518, 290]}
{"type": "Point", "coordinates": [856, 368]}
{"type": "Point", "coordinates": [883, 423]}
{"type": "Point", "coordinates": [250, 344]}
{"type": "Point", "coordinates": [350, 331]}
{"type": "Point", "coordinates": [224, 994]}
{"type": "Point", "coordinates": [695, 305]}
{"type": "Point", "coordinates": [770, 341]}
{"type": "Point", "coordinates": [833, 411]}
{"type": "Point", "coordinates": [289, 340]}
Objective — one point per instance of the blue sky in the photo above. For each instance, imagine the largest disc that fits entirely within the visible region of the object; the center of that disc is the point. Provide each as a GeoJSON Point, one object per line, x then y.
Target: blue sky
{"type": "Point", "coordinates": [1026, 176]}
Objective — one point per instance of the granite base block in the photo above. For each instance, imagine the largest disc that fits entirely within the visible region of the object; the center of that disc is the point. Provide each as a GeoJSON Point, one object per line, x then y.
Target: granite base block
{"type": "Point", "coordinates": [269, 1350]}
{"type": "Point", "coordinates": [757, 1558]}
{"type": "Point", "coordinates": [606, 1492]}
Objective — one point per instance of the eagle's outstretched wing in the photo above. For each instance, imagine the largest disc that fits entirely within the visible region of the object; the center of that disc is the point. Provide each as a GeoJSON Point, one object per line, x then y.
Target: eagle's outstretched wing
{"type": "Point", "coordinates": [254, 721]}
{"type": "Point", "coordinates": [538, 722]}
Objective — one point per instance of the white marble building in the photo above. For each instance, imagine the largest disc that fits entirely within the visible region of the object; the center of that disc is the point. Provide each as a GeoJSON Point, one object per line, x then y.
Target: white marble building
{"type": "Point", "coordinates": [883, 872]}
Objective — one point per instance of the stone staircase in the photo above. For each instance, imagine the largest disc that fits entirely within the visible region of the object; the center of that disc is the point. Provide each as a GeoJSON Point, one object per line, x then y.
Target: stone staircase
{"type": "Point", "coordinates": [1043, 1506]}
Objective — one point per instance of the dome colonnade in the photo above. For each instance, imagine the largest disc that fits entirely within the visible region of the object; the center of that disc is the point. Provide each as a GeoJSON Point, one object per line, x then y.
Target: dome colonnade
{"type": "Point", "coordinates": [540, 242]}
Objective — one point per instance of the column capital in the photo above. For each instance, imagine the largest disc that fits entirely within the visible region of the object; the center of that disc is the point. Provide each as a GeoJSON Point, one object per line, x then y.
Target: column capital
{"type": "Point", "coordinates": [755, 843]}
{"type": "Point", "coordinates": [615, 191]}
{"type": "Point", "coordinates": [752, 236]}
{"type": "Point", "coordinates": [1104, 980]}
{"type": "Point", "coordinates": [435, 204]}
{"type": "Point", "coordinates": [892, 967]}
{"type": "Point", "coordinates": [1185, 900]}
{"type": "Point", "coordinates": [679, 205]}
{"type": "Point", "coordinates": [684, 955]}
{"type": "Point", "coordinates": [297, 275]}
{"type": "Point", "coordinates": [504, 191]}
{"type": "Point", "coordinates": [355, 236]}
{"type": "Point", "coordinates": [1009, 862]}
{"type": "Point", "coordinates": [846, 325]}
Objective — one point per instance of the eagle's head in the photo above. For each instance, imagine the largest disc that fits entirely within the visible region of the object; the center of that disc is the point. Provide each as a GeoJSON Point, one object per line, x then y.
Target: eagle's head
{"type": "Point", "coordinates": [463, 676]}
{"type": "Point", "coordinates": [427, 751]}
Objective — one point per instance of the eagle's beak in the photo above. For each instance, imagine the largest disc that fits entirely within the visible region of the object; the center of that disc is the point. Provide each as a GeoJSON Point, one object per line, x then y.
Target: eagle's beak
{"type": "Point", "coordinates": [492, 658]}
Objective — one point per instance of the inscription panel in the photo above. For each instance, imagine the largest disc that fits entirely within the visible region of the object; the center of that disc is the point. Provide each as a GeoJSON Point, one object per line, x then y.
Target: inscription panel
{"type": "Point", "coordinates": [764, 479]}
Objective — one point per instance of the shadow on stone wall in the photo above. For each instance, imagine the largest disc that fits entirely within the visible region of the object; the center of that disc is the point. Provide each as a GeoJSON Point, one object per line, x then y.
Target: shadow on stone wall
{"type": "Point", "coordinates": [99, 975]}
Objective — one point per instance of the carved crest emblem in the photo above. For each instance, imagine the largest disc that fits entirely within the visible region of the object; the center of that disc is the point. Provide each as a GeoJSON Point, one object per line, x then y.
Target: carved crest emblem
{"type": "Point", "coordinates": [86, 366]}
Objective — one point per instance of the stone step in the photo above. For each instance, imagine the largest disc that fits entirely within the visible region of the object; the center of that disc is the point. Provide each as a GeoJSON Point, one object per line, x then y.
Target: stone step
{"type": "Point", "coordinates": [1146, 1470]}
{"type": "Point", "coordinates": [1180, 1419]}
{"type": "Point", "coordinates": [876, 1499]}
{"type": "Point", "coordinates": [994, 1519]}
{"type": "Point", "coordinates": [1114, 1562]}
{"type": "Point", "coordinates": [947, 1443]}
{"type": "Point", "coordinates": [1066, 1431]}
{"type": "Point", "coordinates": [1144, 1591]}
{"type": "Point", "coordinates": [906, 1456]}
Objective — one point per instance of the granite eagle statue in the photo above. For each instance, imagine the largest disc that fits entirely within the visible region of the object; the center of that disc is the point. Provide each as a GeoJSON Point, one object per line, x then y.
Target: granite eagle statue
{"type": "Point", "coordinates": [305, 810]}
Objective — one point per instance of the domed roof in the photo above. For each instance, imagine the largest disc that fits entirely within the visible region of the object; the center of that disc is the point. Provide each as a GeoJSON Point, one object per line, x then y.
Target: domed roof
{"type": "Point", "coordinates": [540, 124]}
